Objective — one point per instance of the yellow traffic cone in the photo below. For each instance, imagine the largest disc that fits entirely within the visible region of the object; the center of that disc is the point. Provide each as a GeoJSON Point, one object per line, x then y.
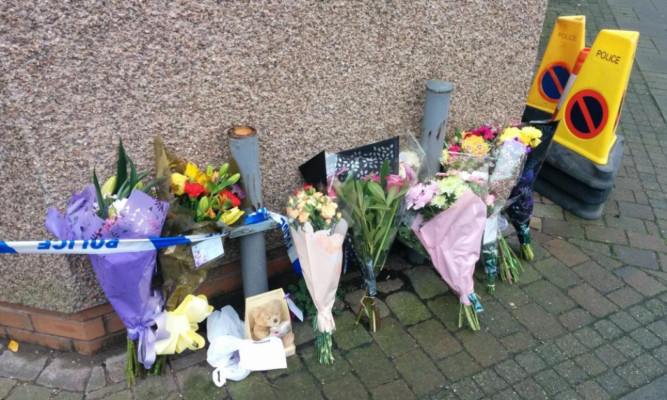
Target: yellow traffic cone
{"type": "Point", "coordinates": [593, 105]}
{"type": "Point", "coordinates": [566, 41]}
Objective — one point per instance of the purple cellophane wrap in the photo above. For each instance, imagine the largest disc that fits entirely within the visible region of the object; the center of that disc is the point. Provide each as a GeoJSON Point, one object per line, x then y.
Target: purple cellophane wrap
{"type": "Point", "coordinates": [125, 278]}
{"type": "Point", "coordinates": [452, 240]}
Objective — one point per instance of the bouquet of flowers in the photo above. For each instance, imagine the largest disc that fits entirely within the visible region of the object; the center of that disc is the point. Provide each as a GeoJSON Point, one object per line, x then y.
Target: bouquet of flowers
{"type": "Point", "coordinates": [371, 206]}
{"type": "Point", "coordinates": [538, 137]}
{"type": "Point", "coordinates": [201, 202]}
{"type": "Point", "coordinates": [318, 231]}
{"type": "Point", "coordinates": [510, 159]}
{"type": "Point", "coordinates": [498, 152]}
{"type": "Point", "coordinates": [450, 225]}
{"type": "Point", "coordinates": [121, 209]}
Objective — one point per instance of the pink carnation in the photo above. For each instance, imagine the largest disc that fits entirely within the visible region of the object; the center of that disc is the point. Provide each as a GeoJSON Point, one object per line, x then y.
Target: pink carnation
{"type": "Point", "coordinates": [420, 195]}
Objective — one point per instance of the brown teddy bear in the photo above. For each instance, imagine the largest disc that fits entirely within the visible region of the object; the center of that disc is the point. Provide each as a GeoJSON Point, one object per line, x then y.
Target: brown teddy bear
{"type": "Point", "coordinates": [267, 322]}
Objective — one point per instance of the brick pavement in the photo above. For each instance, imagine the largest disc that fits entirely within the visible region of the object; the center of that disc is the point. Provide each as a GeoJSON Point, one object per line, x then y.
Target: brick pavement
{"type": "Point", "coordinates": [587, 320]}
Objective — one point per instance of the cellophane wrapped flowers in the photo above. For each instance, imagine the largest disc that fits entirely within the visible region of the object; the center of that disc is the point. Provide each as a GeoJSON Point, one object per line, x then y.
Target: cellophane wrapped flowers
{"type": "Point", "coordinates": [318, 231]}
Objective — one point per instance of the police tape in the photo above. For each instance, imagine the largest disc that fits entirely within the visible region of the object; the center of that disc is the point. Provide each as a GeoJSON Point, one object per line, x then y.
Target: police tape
{"type": "Point", "coordinates": [101, 246]}
{"type": "Point", "coordinates": [262, 215]}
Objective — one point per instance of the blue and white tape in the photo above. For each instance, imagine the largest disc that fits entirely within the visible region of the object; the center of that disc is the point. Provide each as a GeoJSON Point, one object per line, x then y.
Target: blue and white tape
{"type": "Point", "coordinates": [100, 246]}
{"type": "Point", "coordinates": [262, 215]}
{"type": "Point", "coordinates": [287, 237]}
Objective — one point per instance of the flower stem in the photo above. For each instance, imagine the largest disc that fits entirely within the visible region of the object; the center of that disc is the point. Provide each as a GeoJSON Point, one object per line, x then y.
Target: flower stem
{"type": "Point", "coordinates": [323, 345]}
{"type": "Point", "coordinates": [471, 316]}
{"type": "Point", "coordinates": [386, 233]}
{"type": "Point", "coordinates": [132, 364]}
{"type": "Point", "coordinates": [511, 265]}
{"type": "Point", "coordinates": [527, 252]}
{"type": "Point", "coordinates": [369, 307]}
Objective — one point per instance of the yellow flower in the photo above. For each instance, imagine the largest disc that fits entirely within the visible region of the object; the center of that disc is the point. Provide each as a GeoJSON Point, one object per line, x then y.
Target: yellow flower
{"type": "Point", "coordinates": [178, 183]}
{"type": "Point", "coordinates": [303, 217]}
{"type": "Point", "coordinates": [445, 156]}
{"type": "Point", "coordinates": [109, 186]}
{"type": "Point", "coordinates": [510, 133]}
{"type": "Point", "coordinates": [531, 136]}
{"type": "Point", "coordinates": [292, 213]}
{"type": "Point", "coordinates": [230, 216]}
{"type": "Point", "coordinates": [474, 144]}
{"type": "Point", "coordinates": [195, 175]}
{"type": "Point", "coordinates": [329, 210]}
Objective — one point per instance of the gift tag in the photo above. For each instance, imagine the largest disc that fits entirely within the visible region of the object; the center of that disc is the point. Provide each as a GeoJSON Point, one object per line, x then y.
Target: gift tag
{"type": "Point", "coordinates": [294, 308]}
{"type": "Point", "coordinates": [207, 250]}
{"type": "Point", "coordinates": [262, 355]}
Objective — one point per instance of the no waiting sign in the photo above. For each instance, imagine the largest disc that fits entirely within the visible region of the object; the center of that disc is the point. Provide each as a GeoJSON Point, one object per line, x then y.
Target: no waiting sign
{"type": "Point", "coordinates": [586, 114]}
{"type": "Point", "coordinates": [553, 80]}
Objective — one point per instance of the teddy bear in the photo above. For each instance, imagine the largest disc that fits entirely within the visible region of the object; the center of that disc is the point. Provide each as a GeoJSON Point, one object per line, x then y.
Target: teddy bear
{"type": "Point", "coordinates": [267, 322]}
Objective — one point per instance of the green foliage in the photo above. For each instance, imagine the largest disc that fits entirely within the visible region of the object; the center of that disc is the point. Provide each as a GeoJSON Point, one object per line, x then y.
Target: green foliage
{"type": "Point", "coordinates": [302, 299]}
{"type": "Point", "coordinates": [371, 210]}
{"type": "Point", "coordinates": [124, 183]}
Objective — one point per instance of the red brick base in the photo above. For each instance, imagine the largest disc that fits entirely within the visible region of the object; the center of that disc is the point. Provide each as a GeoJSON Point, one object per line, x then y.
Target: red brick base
{"type": "Point", "coordinates": [93, 329]}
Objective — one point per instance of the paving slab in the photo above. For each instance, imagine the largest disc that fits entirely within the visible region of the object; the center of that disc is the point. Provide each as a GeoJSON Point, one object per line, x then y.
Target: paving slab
{"type": "Point", "coordinates": [426, 282]}
{"type": "Point", "coordinates": [30, 392]}
{"type": "Point", "coordinates": [6, 385]}
{"type": "Point", "coordinates": [67, 372]}
{"type": "Point", "coordinates": [23, 365]}
{"type": "Point", "coordinates": [197, 383]}
{"type": "Point", "coordinates": [396, 390]}
{"type": "Point", "coordinates": [653, 391]}
{"type": "Point", "coordinates": [419, 372]}
{"type": "Point", "coordinates": [346, 388]}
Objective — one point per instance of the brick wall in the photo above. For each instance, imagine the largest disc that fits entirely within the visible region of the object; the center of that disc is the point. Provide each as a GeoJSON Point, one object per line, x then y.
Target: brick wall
{"type": "Point", "coordinates": [96, 328]}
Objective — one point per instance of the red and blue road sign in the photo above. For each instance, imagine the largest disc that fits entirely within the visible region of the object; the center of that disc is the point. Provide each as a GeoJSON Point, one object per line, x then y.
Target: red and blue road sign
{"type": "Point", "coordinates": [553, 80]}
{"type": "Point", "coordinates": [586, 114]}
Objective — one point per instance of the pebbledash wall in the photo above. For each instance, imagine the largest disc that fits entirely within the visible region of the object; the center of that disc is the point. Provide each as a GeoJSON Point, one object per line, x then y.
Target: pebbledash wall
{"type": "Point", "coordinates": [309, 75]}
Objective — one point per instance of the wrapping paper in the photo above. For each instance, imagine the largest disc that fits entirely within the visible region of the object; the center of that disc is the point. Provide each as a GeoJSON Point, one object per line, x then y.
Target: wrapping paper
{"type": "Point", "coordinates": [452, 240]}
{"type": "Point", "coordinates": [521, 209]}
{"type": "Point", "coordinates": [506, 173]}
{"type": "Point", "coordinates": [321, 257]}
{"type": "Point", "coordinates": [125, 278]}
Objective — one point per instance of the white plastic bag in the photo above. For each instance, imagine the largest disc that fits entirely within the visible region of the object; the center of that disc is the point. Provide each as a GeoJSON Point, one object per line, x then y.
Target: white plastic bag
{"type": "Point", "coordinates": [225, 335]}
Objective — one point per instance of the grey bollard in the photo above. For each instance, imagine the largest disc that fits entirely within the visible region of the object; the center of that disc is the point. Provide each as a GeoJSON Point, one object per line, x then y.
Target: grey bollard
{"type": "Point", "coordinates": [244, 146]}
{"type": "Point", "coordinates": [434, 121]}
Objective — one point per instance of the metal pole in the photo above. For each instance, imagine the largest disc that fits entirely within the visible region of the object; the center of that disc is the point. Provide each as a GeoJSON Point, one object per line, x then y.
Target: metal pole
{"type": "Point", "coordinates": [434, 121]}
{"type": "Point", "coordinates": [244, 146]}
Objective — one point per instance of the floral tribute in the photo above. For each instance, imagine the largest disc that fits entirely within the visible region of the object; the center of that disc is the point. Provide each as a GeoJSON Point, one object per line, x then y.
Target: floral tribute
{"type": "Point", "coordinates": [449, 225]}
{"type": "Point", "coordinates": [318, 231]}
{"type": "Point", "coordinates": [538, 138]}
{"type": "Point", "coordinates": [201, 202]}
{"type": "Point", "coordinates": [122, 208]}
{"type": "Point", "coordinates": [501, 154]}
{"type": "Point", "coordinates": [372, 206]}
